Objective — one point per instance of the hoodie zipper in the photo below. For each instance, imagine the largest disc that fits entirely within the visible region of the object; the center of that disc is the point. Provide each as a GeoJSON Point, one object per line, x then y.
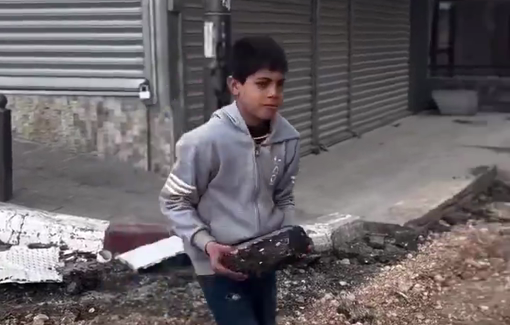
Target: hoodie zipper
{"type": "Point", "coordinates": [256, 192]}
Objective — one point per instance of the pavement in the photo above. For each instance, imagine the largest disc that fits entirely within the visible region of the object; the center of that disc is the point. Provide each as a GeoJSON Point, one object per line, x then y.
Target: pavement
{"type": "Point", "coordinates": [64, 182]}
{"type": "Point", "coordinates": [398, 173]}
{"type": "Point", "coordinates": [393, 174]}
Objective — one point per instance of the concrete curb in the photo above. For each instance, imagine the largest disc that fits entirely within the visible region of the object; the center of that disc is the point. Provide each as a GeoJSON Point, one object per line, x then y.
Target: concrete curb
{"type": "Point", "coordinates": [327, 230]}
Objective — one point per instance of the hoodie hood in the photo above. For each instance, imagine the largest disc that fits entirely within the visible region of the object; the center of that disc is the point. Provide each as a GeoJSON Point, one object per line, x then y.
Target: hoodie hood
{"type": "Point", "coordinates": [281, 129]}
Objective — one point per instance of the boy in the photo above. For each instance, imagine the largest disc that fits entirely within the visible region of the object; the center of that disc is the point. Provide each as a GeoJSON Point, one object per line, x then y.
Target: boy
{"type": "Point", "coordinates": [233, 181]}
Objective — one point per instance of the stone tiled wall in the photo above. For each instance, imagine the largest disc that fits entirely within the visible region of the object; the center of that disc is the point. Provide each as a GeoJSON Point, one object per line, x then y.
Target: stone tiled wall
{"type": "Point", "coordinates": [162, 140]}
{"type": "Point", "coordinates": [115, 127]}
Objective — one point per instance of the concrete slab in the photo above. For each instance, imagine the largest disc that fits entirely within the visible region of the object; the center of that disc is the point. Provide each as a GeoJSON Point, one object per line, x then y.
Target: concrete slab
{"type": "Point", "coordinates": [398, 173]}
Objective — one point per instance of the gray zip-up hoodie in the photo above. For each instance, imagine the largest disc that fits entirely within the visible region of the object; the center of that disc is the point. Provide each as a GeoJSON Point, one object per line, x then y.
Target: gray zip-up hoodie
{"type": "Point", "coordinates": [225, 188]}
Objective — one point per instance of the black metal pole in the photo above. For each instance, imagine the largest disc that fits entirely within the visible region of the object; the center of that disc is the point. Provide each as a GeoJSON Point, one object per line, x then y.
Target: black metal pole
{"type": "Point", "coordinates": [5, 151]}
{"type": "Point", "coordinates": [217, 44]}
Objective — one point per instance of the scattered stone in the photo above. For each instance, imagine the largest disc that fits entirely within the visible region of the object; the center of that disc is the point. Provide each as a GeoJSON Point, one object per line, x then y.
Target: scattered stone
{"type": "Point", "coordinates": [438, 278]}
{"type": "Point", "coordinates": [40, 319]}
{"type": "Point", "coordinates": [457, 218]}
{"type": "Point", "coordinates": [376, 241]}
{"type": "Point", "coordinates": [345, 261]}
{"type": "Point", "coordinates": [505, 231]}
{"type": "Point", "coordinates": [501, 211]}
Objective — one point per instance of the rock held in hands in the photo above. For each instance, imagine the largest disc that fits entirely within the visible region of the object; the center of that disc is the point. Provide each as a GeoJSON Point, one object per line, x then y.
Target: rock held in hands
{"type": "Point", "coordinates": [270, 252]}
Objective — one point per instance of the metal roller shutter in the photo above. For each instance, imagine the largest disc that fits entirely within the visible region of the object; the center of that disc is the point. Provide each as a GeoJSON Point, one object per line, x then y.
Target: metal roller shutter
{"type": "Point", "coordinates": [193, 49]}
{"type": "Point", "coordinates": [289, 22]}
{"type": "Point", "coordinates": [332, 74]}
{"type": "Point", "coordinates": [380, 36]}
{"type": "Point", "coordinates": [85, 45]}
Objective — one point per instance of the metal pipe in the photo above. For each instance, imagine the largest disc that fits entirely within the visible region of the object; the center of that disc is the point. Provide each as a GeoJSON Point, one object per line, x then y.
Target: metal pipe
{"type": "Point", "coordinates": [217, 45]}
{"type": "Point", "coordinates": [5, 151]}
{"type": "Point", "coordinates": [316, 143]}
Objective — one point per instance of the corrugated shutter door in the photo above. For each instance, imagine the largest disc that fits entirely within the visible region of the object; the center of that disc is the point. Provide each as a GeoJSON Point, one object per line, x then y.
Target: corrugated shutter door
{"type": "Point", "coordinates": [193, 49]}
{"type": "Point", "coordinates": [74, 45]}
{"type": "Point", "coordinates": [332, 74]}
{"type": "Point", "coordinates": [289, 22]}
{"type": "Point", "coordinates": [380, 62]}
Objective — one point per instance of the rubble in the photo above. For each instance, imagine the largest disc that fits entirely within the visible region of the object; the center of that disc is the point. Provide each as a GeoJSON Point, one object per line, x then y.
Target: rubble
{"type": "Point", "coordinates": [410, 277]}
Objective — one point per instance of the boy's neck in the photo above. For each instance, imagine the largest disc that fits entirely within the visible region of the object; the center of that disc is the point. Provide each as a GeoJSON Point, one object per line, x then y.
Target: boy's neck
{"type": "Point", "coordinates": [250, 120]}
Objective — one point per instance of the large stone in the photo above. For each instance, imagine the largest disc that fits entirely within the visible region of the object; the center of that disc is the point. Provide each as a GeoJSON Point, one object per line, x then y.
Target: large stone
{"type": "Point", "coordinates": [121, 238]}
{"type": "Point", "coordinates": [501, 211]}
{"type": "Point", "coordinates": [376, 241]}
{"type": "Point", "coordinates": [270, 252]}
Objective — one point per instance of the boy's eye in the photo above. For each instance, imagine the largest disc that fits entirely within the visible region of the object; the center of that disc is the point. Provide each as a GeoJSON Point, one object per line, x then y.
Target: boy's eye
{"type": "Point", "coordinates": [262, 84]}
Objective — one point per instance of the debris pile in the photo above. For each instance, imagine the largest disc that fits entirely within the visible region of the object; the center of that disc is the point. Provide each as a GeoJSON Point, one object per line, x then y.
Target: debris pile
{"type": "Point", "coordinates": [388, 275]}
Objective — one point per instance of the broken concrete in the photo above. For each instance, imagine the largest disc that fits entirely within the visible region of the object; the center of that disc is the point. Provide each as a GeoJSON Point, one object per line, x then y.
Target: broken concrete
{"type": "Point", "coordinates": [484, 178]}
{"type": "Point", "coordinates": [325, 230]}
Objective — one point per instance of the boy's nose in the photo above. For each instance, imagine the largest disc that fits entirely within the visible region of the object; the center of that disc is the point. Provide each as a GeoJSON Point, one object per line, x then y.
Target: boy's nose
{"type": "Point", "coordinates": [272, 92]}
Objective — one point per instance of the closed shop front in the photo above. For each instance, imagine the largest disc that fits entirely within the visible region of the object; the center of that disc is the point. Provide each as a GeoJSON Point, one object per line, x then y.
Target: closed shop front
{"type": "Point", "coordinates": [380, 36]}
{"type": "Point", "coordinates": [332, 71]}
{"type": "Point", "coordinates": [348, 62]}
{"type": "Point", "coordinates": [85, 46]}
{"type": "Point", "coordinates": [193, 52]}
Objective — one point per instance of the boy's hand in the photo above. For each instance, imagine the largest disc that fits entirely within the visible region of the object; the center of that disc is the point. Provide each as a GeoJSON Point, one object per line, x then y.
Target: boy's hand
{"type": "Point", "coordinates": [216, 252]}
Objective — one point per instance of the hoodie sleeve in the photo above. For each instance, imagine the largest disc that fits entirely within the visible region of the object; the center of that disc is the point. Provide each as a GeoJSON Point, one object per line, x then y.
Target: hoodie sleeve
{"type": "Point", "coordinates": [181, 192]}
{"type": "Point", "coordinates": [284, 194]}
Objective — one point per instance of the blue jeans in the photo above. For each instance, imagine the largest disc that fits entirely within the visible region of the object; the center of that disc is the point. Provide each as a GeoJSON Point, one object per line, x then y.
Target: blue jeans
{"type": "Point", "coordinates": [251, 302]}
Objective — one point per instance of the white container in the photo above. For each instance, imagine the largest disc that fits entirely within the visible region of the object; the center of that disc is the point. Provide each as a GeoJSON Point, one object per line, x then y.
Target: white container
{"type": "Point", "coordinates": [456, 102]}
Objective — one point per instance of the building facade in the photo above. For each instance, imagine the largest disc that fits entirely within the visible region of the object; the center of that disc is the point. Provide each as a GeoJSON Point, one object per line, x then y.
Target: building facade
{"type": "Point", "coordinates": [72, 70]}
{"type": "Point", "coordinates": [349, 62]}
{"type": "Point", "coordinates": [470, 49]}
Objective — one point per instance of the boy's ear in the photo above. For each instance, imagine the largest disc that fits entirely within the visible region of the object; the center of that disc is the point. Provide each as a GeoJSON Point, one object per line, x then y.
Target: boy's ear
{"type": "Point", "coordinates": [233, 86]}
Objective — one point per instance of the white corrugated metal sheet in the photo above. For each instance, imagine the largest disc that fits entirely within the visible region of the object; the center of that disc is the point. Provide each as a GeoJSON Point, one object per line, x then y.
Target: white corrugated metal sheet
{"type": "Point", "coordinates": [86, 45]}
{"type": "Point", "coordinates": [380, 40]}
{"type": "Point", "coordinates": [21, 264]}
{"type": "Point", "coordinates": [288, 22]}
{"type": "Point", "coordinates": [332, 73]}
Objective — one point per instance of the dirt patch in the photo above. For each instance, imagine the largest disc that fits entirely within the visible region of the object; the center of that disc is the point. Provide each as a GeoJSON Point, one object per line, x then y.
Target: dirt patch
{"type": "Point", "coordinates": [459, 274]}
{"type": "Point", "coordinates": [460, 277]}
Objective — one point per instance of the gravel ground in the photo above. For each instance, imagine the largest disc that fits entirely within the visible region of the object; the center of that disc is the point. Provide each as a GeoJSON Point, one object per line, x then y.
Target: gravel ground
{"type": "Point", "coordinates": [458, 276]}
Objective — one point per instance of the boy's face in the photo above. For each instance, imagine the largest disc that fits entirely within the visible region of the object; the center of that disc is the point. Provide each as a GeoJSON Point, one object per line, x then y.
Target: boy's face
{"type": "Point", "coordinates": [261, 95]}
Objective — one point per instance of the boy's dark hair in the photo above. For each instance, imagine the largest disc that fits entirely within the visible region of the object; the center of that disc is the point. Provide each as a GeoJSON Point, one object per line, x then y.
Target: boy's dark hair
{"type": "Point", "coordinates": [254, 53]}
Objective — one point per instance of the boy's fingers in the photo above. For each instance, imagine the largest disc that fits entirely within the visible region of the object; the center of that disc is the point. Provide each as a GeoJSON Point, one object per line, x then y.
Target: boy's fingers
{"type": "Point", "coordinates": [231, 274]}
